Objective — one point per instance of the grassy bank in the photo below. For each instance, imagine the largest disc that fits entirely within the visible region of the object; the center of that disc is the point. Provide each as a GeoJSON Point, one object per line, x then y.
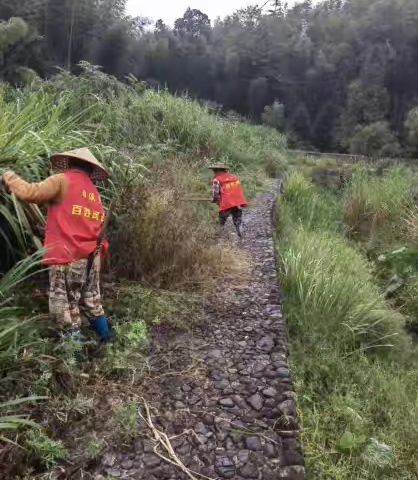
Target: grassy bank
{"type": "Point", "coordinates": [353, 362]}
{"type": "Point", "coordinates": [163, 256]}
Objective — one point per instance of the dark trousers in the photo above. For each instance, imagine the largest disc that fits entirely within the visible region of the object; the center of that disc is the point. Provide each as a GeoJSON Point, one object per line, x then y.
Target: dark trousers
{"type": "Point", "coordinates": [236, 213]}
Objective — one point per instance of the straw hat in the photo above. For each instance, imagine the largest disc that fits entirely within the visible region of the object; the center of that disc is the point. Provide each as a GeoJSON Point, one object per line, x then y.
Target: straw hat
{"type": "Point", "coordinates": [61, 161]}
{"type": "Point", "coordinates": [219, 166]}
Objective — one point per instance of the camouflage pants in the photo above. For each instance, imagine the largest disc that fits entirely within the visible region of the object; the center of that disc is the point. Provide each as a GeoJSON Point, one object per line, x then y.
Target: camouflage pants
{"type": "Point", "coordinates": [70, 293]}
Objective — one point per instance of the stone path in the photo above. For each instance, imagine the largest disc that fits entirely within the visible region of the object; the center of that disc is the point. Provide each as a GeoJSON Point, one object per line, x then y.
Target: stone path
{"type": "Point", "coordinates": [235, 399]}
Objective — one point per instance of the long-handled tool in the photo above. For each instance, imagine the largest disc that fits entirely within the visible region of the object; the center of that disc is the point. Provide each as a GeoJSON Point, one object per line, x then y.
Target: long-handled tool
{"type": "Point", "coordinates": [100, 238]}
{"type": "Point", "coordinates": [195, 199]}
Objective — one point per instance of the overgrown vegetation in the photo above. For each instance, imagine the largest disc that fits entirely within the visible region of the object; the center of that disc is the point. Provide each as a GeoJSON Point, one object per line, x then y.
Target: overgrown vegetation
{"type": "Point", "coordinates": [157, 148]}
{"type": "Point", "coordinates": [353, 361]}
{"type": "Point", "coordinates": [335, 74]}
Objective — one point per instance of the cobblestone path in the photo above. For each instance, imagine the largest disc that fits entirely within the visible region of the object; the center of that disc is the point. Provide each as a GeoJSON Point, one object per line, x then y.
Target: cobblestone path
{"type": "Point", "coordinates": [232, 413]}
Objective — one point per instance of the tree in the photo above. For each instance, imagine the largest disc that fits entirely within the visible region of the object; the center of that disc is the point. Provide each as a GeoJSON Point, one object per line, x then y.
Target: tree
{"type": "Point", "coordinates": [193, 23]}
{"type": "Point", "coordinates": [274, 115]}
{"type": "Point", "coordinates": [278, 8]}
{"type": "Point", "coordinates": [411, 128]}
{"type": "Point", "coordinates": [17, 48]}
{"type": "Point", "coordinates": [375, 140]}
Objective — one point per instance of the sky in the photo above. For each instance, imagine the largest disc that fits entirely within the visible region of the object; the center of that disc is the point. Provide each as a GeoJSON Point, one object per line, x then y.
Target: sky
{"type": "Point", "coordinates": [169, 10]}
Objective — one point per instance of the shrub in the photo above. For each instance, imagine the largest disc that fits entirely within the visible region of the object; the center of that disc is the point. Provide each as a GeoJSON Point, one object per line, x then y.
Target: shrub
{"type": "Point", "coordinates": [375, 140]}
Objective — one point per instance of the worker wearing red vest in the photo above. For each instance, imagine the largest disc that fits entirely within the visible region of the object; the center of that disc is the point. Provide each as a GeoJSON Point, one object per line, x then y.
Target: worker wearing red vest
{"type": "Point", "coordinates": [228, 193]}
{"type": "Point", "coordinates": [74, 220]}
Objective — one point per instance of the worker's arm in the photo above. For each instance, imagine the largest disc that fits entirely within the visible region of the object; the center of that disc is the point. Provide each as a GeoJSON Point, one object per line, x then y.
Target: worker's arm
{"type": "Point", "coordinates": [216, 191]}
{"type": "Point", "coordinates": [52, 189]}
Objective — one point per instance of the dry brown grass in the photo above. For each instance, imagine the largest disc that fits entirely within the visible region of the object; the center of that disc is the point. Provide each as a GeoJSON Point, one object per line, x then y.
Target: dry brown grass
{"type": "Point", "coordinates": [362, 219]}
{"type": "Point", "coordinates": [165, 241]}
{"type": "Point", "coordinates": [411, 224]}
{"type": "Point", "coordinates": [373, 203]}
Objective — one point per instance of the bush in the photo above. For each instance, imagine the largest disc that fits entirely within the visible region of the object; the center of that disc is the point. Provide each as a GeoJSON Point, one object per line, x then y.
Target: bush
{"type": "Point", "coordinates": [375, 140]}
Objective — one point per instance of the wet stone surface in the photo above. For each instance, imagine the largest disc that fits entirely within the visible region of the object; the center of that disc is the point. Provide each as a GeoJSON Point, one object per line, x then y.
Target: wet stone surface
{"type": "Point", "coordinates": [235, 410]}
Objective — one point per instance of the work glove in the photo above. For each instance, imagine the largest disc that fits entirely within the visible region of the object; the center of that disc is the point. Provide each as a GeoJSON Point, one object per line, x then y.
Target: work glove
{"type": "Point", "coordinates": [3, 186]}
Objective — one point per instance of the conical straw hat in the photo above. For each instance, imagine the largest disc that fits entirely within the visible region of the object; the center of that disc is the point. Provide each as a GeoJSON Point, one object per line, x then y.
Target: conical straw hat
{"type": "Point", "coordinates": [219, 166]}
{"type": "Point", "coordinates": [61, 161]}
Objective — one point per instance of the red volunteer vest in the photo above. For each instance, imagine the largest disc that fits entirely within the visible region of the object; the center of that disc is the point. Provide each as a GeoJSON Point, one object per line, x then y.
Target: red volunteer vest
{"type": "Point", "coordinates": [232, 194]}
{"type": "Point", "coordinates": [73, 226]}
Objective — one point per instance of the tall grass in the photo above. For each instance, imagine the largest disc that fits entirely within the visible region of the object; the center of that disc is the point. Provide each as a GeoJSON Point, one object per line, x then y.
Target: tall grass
{"type": "Point", "coordinates": [15, 334]}
{"type": "Point", "coordinates": [134, 115]}
{"type": "Point", "coordinates": [354, 365]}
{"type": "Point", "coordinates": [326, 278]}
{"type": "Point", "coordinates": [308, 207]}
{"type": "Point", "coordinates": [373, 203]}
{"type": "Point", "coordinates": [169, 240]}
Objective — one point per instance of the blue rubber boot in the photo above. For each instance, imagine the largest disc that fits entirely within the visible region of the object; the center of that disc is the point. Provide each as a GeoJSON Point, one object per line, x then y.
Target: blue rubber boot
{"type": "Point", "coordinates": [101, 326]}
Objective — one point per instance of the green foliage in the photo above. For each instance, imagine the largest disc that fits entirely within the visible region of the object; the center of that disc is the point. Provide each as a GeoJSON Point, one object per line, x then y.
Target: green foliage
{"type": "Point", "coordinates": [13, 422]}
{"type": "Point", "coordinates": [49, 451]}
{"type": "Point", "coordinates": [356, 394]}
{"type": "Point", "coordinates": [12, 32]}
{"type": "Point", "coordinates": [375, 140]}
{"type": "Point", "coordinates": [373, 204]}
{"type": "Point", "coordinates": [411, 127]}
{"type": "Point", "coordinates": [308, 206]}
{"type": "Point", "coordinates": [349, 441]}
{"type": "Point", "coordinates": [127, 419]}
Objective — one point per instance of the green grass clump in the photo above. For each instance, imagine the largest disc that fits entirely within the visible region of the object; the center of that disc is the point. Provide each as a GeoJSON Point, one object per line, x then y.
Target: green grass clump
{"type": "Point", "coordinates": [307, 206]}
{"type": "Point", "coordinates": [353, 364]}
{"type": "Point", "coordinates": [326, 278]}
{"type": "Point", "coordinates": [374, 206]}
{"type": "Point", "coordinates": [48, 450]}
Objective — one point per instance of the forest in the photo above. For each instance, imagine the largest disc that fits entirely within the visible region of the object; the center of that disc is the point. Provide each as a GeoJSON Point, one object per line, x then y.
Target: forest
{"type": "Point", "coordinates": [338, 75]}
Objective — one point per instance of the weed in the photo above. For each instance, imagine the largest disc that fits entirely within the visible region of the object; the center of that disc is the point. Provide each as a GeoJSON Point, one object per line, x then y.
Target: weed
{"type": "Point", "coordinates": [49, 451]}
{"type": "Point", "coordinates": [13, 422]}
{"type": "Point", "coordinates": [127, 419]}
{"type": "Point", "coordinates": [95, 446]}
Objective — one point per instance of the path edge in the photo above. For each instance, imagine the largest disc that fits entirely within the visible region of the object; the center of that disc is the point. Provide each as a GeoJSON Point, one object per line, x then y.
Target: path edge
{"type": "Point", "coordinates": [292, 437]}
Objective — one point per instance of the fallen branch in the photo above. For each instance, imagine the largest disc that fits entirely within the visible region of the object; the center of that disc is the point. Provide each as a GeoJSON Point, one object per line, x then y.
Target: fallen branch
{"type": "Point", "coordinates": [162, 439]}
